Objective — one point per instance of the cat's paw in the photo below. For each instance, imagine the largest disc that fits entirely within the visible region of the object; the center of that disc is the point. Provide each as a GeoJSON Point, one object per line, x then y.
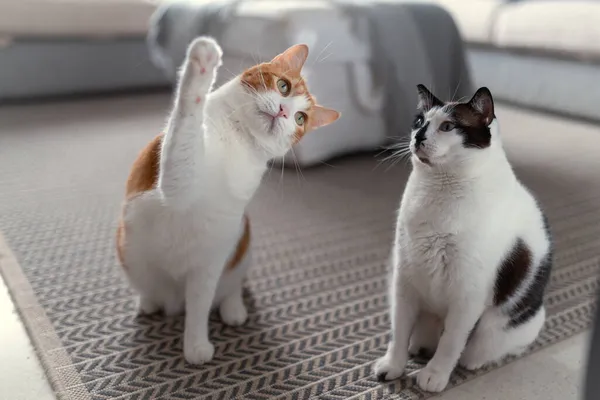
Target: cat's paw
{"type": "Point", "coordinates": [174, 309]}
{"type": "Point", "coordinates": [147, 306]}
{"type": "Point", "coordinates": [387, 369]}
{"type": "Point", "coordinates": [198, 352]}
{"type": "Point", "coordinates": [471, 365]}
{"type": "Point", "coordinates": [199, 71]}
{"type": "Point", "coordinates": [205, 55]}
{"type": "Point", "coordinates": [432, 379]}
{"type": "Point", "coordinates": [233, 311]}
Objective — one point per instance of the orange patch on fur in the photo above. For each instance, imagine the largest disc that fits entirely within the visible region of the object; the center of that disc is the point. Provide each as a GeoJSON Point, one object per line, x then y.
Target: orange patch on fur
{"type": "Point", "coordinates": [121, 241]}
{"type": "Point", "coordinates": [242, 246]}
{"type": "Point", "coordinates": [142, 177]}
{"type": "Point", "coordinates": [144, 172]}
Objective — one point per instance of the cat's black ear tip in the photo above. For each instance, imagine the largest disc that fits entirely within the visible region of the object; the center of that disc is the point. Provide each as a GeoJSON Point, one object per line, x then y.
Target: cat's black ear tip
{"type": "Point", "coordinates": [422, 88]}
{"type": "Point", "coordinates": [484, 90]}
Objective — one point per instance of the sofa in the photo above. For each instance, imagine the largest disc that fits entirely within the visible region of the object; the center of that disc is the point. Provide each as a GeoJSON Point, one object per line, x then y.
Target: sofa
{"type": "Point", "coordinates": [65, 47]}
{"type": "Point", "coordinates": [543, 54]}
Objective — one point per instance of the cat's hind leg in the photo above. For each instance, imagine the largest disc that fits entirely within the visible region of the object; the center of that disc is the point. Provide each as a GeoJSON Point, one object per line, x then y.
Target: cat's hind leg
{"type": "Point", "coordinates": [425, 336]}
{"type": "Point", "coordinates": [157, 291]}
{"type": "Point", "coordinates": [494, 338]}
{"type": "Point", "coordinates": [230, 294]}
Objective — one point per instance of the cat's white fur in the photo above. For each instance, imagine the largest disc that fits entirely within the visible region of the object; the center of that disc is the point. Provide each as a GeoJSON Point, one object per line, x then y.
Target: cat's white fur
{"type": "Point", "coordinates": [181, 234]}
{"type": "Point", "coordinates": [459, 218]}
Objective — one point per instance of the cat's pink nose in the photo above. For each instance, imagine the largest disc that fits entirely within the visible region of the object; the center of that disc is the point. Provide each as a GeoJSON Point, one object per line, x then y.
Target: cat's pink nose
{"type": "Point", "coordinates": [283, 111]}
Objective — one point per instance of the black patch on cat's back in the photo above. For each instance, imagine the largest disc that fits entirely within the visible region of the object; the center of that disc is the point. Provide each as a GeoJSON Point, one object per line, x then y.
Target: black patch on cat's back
{"type": "Point", "coordinates": [512, 272]}
{"type": "Point", "coordinates": [533, 299]}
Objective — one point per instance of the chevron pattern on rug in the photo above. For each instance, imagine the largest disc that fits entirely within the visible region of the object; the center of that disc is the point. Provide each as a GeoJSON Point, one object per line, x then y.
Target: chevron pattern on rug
{"type": "Point", "coordinates": [317, 290]}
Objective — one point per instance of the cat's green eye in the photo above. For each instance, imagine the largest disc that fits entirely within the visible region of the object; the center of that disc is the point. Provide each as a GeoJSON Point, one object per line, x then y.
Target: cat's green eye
{"type": "Point", "coordinates": [446, 126]}
{"type": "Point", "coordinates": [300, 118]}
{"type": "Point", "coordinates": [283, 86]}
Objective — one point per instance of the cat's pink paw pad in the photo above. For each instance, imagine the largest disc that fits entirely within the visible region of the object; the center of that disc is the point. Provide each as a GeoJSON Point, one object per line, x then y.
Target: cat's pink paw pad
{"type": "Point", "coordinates": [205, 53]}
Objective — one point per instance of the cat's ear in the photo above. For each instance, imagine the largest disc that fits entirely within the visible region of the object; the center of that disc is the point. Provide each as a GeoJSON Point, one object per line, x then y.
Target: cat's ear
{"type": "Point", "coordinates": [483, 103]}
{"type": "Point", "coordinates": [322, 116]}
{"type": "Point", "coordinates": [293, 58]}
{"type": "Point", "coordinates": [426, 99]}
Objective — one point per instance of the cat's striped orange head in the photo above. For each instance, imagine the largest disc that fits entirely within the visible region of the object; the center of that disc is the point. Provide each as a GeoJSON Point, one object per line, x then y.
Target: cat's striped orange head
{"type": "Point", "coordinates": [282, 107]}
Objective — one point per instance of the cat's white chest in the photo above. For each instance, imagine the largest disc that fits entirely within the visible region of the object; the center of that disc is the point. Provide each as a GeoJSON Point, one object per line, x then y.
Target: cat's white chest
{"type": "Point", "coordinates": [429, 264]}
{"type": "Point", "coordinates": [434, 245]}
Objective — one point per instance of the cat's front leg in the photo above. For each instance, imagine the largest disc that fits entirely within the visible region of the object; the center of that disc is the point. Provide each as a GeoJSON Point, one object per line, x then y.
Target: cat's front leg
{"type": "Point", "coordinates": [404, 311]}
{"type": "Point", "coordinates": [458, 324]}
{"type": "Point", "coordinates": [183, 144]}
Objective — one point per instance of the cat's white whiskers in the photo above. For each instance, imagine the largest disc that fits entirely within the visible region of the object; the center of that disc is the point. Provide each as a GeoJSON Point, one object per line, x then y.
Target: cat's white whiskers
{"type": "Point", "coordinates": [296, 165]}
{"type": "Point", "coordinates": [456, 89]}
{"type": "Point", "coordinates": [316, 59]}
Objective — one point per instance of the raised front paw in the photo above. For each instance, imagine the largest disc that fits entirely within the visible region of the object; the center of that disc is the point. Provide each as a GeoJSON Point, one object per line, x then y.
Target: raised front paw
{"type": "Point", "coordinates": [431, 379]}
{"type": "Point", "coordinates": [198, 352]}
{"type": "Point", "coordinates": [204, 57]}
{"type": "Point", "coordinates": [387, 369]}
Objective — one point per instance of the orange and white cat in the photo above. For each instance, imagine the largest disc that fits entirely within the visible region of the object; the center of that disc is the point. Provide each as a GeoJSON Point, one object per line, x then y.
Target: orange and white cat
{"type": "Point", "coordinates": [183, 238]}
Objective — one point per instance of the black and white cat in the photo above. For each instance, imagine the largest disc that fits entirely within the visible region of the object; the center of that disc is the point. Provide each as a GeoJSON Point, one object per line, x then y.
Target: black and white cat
{"type": "Point", "coordinates": [472, 253]}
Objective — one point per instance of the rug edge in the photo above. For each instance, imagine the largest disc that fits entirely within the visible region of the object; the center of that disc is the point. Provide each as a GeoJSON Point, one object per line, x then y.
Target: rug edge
{"type": "Point", "coordinates": [47, 345]}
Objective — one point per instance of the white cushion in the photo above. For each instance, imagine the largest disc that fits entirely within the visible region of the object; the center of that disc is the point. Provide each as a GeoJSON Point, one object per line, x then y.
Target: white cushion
{"type": "Point", "coordinates": [474, 18]}
{"type": "Point", "coordinates": [75, 18]}
{"type": "Point", "coordinates": [570, 26]}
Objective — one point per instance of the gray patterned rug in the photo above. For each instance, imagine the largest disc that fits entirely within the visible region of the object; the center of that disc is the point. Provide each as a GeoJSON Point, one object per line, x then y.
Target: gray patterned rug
{"type": "Point", "coordinates": [317, 290]}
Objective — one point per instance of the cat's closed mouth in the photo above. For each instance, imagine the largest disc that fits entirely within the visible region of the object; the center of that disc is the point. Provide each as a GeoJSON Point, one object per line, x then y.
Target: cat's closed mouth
{"type": "Point", "coordinates": [424, 160]}
{"type": "Point", "coordinates": [421, 156]}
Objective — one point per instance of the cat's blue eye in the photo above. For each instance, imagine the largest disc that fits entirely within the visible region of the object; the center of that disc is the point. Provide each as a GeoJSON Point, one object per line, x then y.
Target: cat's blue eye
{"type": "Point", "coordinates": [418, 122]}
{"type": "Point", "coordinates": [446, 126]}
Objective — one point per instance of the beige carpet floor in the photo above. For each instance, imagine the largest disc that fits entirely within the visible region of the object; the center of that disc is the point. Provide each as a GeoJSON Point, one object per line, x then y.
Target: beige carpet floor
{"type": "Point", "coordinates": [317, 289]}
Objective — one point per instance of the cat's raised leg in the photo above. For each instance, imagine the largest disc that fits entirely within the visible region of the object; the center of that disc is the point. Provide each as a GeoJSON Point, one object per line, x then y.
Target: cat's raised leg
{"type": "Point", "coordinates": [493, 340]}
{"type": "Point", "coordinates": [425, 336]}
{"type": "Point", "coordinates": [404, 312]}
{"type": "Point", "coordinates": [183, 144]}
